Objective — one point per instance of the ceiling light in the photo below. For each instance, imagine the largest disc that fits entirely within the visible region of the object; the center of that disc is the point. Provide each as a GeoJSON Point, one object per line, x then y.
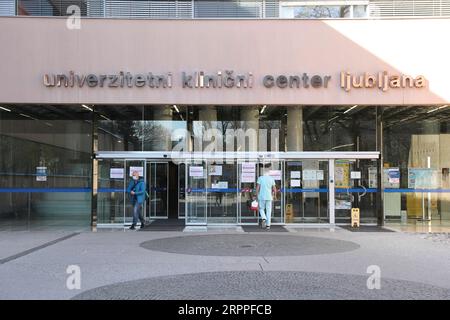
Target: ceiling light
{"type": "Point", "coordinates": [27, 116]}
{"type": "Point", "coordinates": [348, 110]}
{"type": "Point", "coordinates": [263, 109]}
{"type": "Point", "coordinates": [438, 108]}
{"type": "Point", "coordinates": [6, 109]}
{"type": "Point", "coordinates": [86, 107]}
{"type": "Point", "coordinates": [176, 109]}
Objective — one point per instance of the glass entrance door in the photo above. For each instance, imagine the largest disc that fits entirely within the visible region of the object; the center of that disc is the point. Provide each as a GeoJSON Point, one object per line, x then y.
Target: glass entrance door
{"type": "Point", "coordinates": [356, 186]}
{"type": "Point", "coordinates": [222, 190]}
{"type": "Point", "coordinates": [130, 167]}
{"type": "Point", "coordinates": [196, 193]}
{"type": "Point", "coordinates": [275, 168]}
{"type": "Point", "coordinates": [247, 173]}
{"type": "Point", "coordinates": [306, 191]}
{"type": "Point", "coordinates": [158, 180]}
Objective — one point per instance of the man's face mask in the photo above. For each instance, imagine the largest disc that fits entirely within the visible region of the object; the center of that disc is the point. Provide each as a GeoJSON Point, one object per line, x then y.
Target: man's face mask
{"type": "Point", "coordinates": [135, 177]}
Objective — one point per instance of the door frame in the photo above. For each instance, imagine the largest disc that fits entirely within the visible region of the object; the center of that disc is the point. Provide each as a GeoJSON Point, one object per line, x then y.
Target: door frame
{"type": "Point", "coordinates": [149, 163]}
{"type": "Point", "coordinates": [189, 157]}
{"type": "Point", "coordinates": [125, 186]}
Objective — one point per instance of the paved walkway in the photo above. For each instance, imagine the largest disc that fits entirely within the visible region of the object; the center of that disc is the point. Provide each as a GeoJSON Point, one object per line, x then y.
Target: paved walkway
{"type": "Point", "coordinates": [304, 263]}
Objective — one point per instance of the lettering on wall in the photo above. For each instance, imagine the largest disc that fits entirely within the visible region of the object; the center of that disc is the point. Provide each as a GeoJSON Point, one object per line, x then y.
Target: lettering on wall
{"type": "Point", "coordinates": [228, 79]}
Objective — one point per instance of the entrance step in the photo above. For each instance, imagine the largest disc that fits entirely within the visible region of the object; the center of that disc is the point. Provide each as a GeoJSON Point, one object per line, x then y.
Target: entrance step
{"type": "Point", "coordinates": [258, 229]}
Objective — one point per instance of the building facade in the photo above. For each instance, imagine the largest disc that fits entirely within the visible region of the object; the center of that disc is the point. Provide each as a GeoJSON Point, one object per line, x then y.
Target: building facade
{"type": "Point", "coordinates": [344, 103]}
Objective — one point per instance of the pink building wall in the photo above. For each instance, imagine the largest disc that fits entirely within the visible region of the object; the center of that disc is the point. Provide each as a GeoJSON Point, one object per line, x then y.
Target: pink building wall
{"type": "Point", "coordinates": [34, 46]}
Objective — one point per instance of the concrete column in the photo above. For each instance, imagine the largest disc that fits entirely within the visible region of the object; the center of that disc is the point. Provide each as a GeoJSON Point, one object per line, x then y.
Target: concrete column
{"type": "Point", "coordinates": [294, 138]}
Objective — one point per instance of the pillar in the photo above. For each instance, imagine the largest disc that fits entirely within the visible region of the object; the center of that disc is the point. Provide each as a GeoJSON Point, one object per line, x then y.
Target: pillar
{"type": "Point", "coordinates": [294, 130]}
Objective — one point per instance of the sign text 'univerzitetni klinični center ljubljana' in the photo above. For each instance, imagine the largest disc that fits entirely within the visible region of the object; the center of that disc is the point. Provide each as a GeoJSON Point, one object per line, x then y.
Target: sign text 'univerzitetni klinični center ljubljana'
{"type": "Point", "coordinates": [229, 79]}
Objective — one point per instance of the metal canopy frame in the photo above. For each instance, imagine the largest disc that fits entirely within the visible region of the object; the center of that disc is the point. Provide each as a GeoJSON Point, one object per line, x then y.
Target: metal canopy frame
{"type": "Point", "coordinates": [189, 156]}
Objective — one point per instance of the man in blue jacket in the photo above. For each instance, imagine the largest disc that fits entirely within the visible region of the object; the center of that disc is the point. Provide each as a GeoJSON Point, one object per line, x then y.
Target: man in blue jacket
{"type": "Point", "coordinates": [136, 190]}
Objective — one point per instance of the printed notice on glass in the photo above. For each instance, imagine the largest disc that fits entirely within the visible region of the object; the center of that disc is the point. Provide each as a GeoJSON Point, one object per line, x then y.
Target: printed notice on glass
{"type": "Point", "coordinates": [138, 169]}
{"type": "Point", "coordinates": [215, 170]}
{"type": "Point", "coordinates": [295, 182]}
{"type": "Point", "coordinates": [116, 173]}
{"type": "Point", "coordinates": [355, 174]}
{"type": "Point", "coordinates": [222, 185]}
{"type": "Point", "coordinates": [41, 173]}
{"type": "Point", "coordinates": [296, 174]}
{"type": "Point", "coordinates": [319, 174]}
{"type": "Point", "coordinates": [248, 172]}
{"type": "Point", "coordinates": [309, 175]}
{"type": "Point", "coordinates": [196, 171]}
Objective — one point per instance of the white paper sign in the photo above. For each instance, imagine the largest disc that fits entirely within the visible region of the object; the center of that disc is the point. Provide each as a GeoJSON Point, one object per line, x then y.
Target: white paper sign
{"type": "Point", "coordinates": [355, 175]}
{"type": "Point", "coordinates": [116, 173]}
{"type": "Point", "coordinates": [195, 171]}
{"type": "Point", "coordinates": [319, 174]}
{"type": "Point", "coordinates": [248, 177]}
{"type": "Point", "coordinates": [215, 170]}
{"type": "Point", "coordinates": [309, 175]}
{"type": "Point", "coordinates": [138, 169]}
{"type": "Point", "coordinates": [296, 174]}
{"type": "Point", "coordinates": [41, 173]}
{"type": "Point", "coordinates": [248, 172]}
{"type": "Point", "coordinates": [222, 185]}
{"type": "Point", "coordinates": [295, 182]}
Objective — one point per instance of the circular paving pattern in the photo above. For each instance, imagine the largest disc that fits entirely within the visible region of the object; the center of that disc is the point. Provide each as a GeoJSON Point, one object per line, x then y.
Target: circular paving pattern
{"type": "Point", "coordinates": [249, 245]}
{"type": "Point", "coordinates": [263, 285]}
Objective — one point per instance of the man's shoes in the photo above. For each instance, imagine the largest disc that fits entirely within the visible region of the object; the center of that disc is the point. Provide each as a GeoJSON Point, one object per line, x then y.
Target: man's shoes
{"type": "Point", "coordinates": [132, 227]}
{"type": "Point", "coordinates": [267, 228]}
{"type": "Point", "coordinates": [263, 224]}
{"type": "Point", "coordinates": [142, 225]}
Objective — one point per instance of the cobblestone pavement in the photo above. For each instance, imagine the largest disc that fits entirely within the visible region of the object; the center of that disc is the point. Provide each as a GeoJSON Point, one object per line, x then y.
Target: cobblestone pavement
{"type": "Point", "coordinates": [270, 285]}
{"type": "Point", "coordinates": [314, 263]}
{"type": "Point", "coordinates": [249, 245]}
{"type": "Point", "coordinates": [442, 237]}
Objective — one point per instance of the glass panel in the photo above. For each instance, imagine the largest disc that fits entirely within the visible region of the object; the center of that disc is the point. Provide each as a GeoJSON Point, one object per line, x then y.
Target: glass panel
{"type": "Point", "coordinates": [306, 191]}
{"type": "Point", "coordinates": [416, 145]}
{"type": "Point", "coordinates": [356, 187]}
{"type": "Point", "coordinates": [130, 166]}
{"type": "Point", "coordinates": [275, 168]}
{"type": "Point", "coordinates": [359, 11]}
{"type": "Point", "coordinates": [111, 184]}
{"type": "Point", "coordinates": [157, 176]}
{"type": "Point", "coordinates": [181, 190]}
{"type": "Point", "coordinates": [45, 166]}
{"type": "Point", "coordinates": [196, 193]}
{"type": "Point", "coordinates": [315, 12]}
{"type": "Point", "coordinates": [164, 128]}
{"type": "Point", "coordinates": [341, 128]}
{"type": "Point", "coordinates": [222, 192]}
{"type": "Point", "coordinates": [120, 128]}
{"type": "Point", "coordinates": [247, 177]}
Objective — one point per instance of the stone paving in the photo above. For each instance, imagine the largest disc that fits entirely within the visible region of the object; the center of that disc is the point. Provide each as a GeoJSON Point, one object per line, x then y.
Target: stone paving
{"type": "Point", "coordinates": [303, 263]}
{"type": "Point", "coordinates": [272, 285]}
{"type": "Point", "coordinates": [249, 245]}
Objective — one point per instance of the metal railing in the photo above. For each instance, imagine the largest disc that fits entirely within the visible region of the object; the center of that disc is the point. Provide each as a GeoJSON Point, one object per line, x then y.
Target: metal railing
{"type": "Point", "coordinates": [204, 9]}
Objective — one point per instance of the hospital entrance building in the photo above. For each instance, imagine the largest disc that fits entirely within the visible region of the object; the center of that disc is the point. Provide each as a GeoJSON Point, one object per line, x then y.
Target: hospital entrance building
{"type": "Point", "coordinates": [346, 103]}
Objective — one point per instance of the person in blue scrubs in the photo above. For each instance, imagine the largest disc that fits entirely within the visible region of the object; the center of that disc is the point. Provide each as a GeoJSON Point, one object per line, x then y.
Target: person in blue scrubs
{"type": "Point", "coordinates": [265, 191]}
